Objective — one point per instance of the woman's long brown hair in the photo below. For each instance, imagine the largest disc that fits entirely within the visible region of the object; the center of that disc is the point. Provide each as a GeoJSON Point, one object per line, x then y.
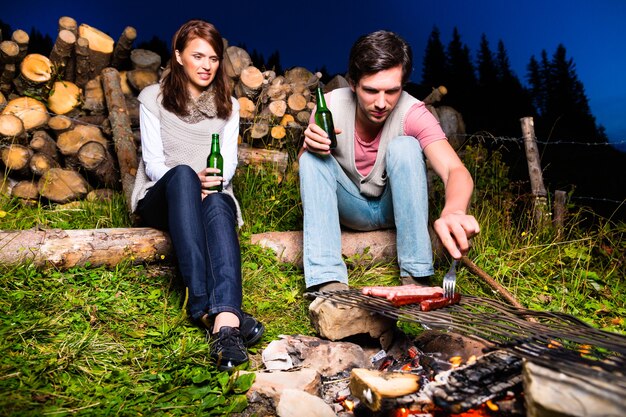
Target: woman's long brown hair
{"type": "Point", "coordinates": [174, 83]}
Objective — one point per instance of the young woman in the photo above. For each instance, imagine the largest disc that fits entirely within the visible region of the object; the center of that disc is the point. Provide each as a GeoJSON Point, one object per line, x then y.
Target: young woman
{"type": "Point", "coordinates": [177, 119]}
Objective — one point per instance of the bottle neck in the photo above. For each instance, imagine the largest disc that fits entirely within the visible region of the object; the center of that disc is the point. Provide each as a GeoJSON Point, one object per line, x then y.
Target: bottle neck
{"type": "Point", "coordinates": [215, 145]}
{"type": "Point", "coordinates": [321, 100]}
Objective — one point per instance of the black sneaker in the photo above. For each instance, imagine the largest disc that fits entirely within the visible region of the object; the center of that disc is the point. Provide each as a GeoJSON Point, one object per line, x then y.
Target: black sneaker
{"type": "Point", "coordinates": [227, 348]}
{"type": "Point", "coordinates": [251, 329]}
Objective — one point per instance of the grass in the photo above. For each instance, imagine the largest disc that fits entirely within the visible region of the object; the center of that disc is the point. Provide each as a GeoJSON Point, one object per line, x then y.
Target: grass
{"type": "Point", "coordinates": [95, 341]}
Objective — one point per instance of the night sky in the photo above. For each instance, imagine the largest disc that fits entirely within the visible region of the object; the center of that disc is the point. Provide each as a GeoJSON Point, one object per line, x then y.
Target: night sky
{"type": "Point", "coordinates": [316, 34]}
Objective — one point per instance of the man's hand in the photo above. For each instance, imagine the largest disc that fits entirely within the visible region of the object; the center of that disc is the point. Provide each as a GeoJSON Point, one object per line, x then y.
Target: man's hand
{"type": "Point", "coordinates": [207, 180]}
{"type": "Point", "coordinates": [316, 139]}
{"type": "Point", "coordinates": [455, 229]}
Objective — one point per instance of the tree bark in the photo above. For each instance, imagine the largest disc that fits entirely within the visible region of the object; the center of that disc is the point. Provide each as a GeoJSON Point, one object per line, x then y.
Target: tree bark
{"type": "Point", "coordinates": [94, 96]}
{"type": "Point", "coordinates": [42, 142]}
{"type": "Point", "coordinates": [65, 249]}
{"type": "Point", "coordinates": [6, 78]}
{"type": "Point", "coordinates": [9, 51]}
{"type": "Point", "coordinates": [364, 247]}
{"type": "Point", "coordinates": [251, 80]}
{"type": "Point", "coordinates": [473, 268]}
{"type": "Point", "coordinates": [143, 59]}
{"type": "Point", "coordinates": [122, 133]}
{"type": "Point", "coordinates": [82, 71]}
{"type": "Point", "coordinates": [122, 50]}
{"type": "Point", "coordinates": [239, 60]}
{"type": "Point", "coordinates": [62, 51]}
{"type": "Point", "coordinates": [534, 171]}
{"type": "Point", "coordinates": [100, 48]}
{"type": "Point", "coordinates": [22, 39]}
{"type": "Point", "coordinates": [35, 72]}
{"type": "Point", "coordinates": [98, 162]}
{"type": "Point", "coordinates": [248, 155]}
{"type": "Point", "coordinates": [560, 212]}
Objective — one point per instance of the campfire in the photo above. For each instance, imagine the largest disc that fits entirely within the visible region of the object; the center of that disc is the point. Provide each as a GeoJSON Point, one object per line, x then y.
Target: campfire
{"type": "Point", "coordinates": [452, 381]}
{"type": "Point", "coordinates": [432, 384]}
{"type": "Point", "coordinates": [475, 358]}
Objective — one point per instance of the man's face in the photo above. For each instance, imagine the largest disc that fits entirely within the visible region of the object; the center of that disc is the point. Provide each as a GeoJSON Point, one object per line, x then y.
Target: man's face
{"type": "Point", "coordinates": [377, 95]}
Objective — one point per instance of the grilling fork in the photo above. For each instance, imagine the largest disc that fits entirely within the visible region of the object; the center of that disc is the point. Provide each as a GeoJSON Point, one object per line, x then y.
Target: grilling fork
{"type": "Point", "coordinates": [449, 281]}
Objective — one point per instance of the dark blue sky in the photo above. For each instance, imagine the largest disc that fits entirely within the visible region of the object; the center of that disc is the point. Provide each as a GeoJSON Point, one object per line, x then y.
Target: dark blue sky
{"type": "Point", "coordinates": [313, 34]}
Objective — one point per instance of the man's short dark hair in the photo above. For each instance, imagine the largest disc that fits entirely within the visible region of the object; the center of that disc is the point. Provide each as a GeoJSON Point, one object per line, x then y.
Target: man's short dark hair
{"type": "Point", "coordinates": [379, 51]}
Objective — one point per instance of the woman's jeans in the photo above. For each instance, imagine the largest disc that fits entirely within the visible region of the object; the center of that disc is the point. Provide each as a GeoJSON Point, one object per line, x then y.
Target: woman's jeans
{"type": "Point", "coordinates": [330, 198]}
{"type": "Point", "coordinates": [204, 236]}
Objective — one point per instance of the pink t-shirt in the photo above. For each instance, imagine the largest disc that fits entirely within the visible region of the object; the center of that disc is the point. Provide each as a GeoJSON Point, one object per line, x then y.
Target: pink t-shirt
{"type": "Point", "coordinates": [419, 123]}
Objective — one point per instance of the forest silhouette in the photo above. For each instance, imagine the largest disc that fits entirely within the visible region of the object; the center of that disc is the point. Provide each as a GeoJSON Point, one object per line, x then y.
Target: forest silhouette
{"type": "Point", "coordinates": [576, 155]}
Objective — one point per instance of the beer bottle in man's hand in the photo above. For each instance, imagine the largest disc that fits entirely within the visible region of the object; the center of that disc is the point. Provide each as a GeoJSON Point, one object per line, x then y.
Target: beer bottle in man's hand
{"type": "Point", "coordinates": [215, 160]}
{"type": "Point", "coordinates": [324, 119]}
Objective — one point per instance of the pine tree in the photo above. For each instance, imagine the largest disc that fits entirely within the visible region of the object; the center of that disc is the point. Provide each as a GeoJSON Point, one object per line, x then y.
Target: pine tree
{"type": "Point", "coordinates": [39, 43]}
{"type": "Point", "coordinates": [434, 65]}
{"type": "Point", "coordinates": [510, 92]}
{"type": "Point", "coordinates": [486, 99]}
{"type": "Point", "coordinates": [461, 82]}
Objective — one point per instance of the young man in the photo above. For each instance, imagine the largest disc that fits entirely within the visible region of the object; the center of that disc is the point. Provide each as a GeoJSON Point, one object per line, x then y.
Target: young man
{"type": "Point", "coordinates": [376, 177]}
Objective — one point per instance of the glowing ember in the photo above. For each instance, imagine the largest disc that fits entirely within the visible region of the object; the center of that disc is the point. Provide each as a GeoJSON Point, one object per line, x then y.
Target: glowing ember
{"type": "Point", "coordinates": [492, 406]}
{"type": "Point", "coordinates": [402, 412]}
{"type": "Point", "coordinates": [456, 361]}
{"type": "Point", "coordinates": [348, 405]}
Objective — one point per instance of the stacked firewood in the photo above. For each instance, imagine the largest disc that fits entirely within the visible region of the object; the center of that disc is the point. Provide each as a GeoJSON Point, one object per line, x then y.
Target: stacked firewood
{"type": "Point", "coordinates": [274, 109]}
{"type": "Point", "coordinates": [69, 122]}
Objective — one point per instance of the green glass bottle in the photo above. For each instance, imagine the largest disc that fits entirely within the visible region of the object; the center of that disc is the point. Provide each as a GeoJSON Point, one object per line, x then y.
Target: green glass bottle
{"type": "Point", "coordinates": [215, 160]}
{"type": "Point", "coordinates": [324, 118]}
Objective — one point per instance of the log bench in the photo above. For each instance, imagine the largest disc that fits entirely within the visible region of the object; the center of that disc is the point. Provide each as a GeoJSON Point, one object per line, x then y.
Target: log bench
{"type": "Point", "coordinates": [63, 249]}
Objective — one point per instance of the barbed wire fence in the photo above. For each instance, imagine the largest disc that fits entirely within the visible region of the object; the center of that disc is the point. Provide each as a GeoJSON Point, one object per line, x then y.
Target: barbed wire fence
{"type": "Point", "coordinates": [481, 137]}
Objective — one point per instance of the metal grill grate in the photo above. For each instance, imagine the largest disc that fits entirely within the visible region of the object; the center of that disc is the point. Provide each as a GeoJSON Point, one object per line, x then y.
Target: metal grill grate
{"type": "Point", "coordinates": [555, 340]}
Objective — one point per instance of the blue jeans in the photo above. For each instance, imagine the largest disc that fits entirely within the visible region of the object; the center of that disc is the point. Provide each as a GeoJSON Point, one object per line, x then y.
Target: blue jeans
{"type": "Point", "coordinates": [204, 237]}
{"type": "Point", "coordinates": [331, 199]}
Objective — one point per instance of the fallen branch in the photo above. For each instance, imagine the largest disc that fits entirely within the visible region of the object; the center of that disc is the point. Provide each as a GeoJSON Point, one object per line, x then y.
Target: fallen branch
{"type": "Point", "coordinates": [474, 269]}
{"type": "Point", "coordinates": [65, 249]}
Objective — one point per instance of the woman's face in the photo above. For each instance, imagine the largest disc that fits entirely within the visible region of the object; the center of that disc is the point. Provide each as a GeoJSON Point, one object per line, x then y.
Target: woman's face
{"type": "Point", "coordinates": [200, 63]}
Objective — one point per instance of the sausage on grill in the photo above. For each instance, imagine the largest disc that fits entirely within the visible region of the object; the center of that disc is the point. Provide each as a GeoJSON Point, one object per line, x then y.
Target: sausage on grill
{"type": "Point", "coordinates": [435, 303]}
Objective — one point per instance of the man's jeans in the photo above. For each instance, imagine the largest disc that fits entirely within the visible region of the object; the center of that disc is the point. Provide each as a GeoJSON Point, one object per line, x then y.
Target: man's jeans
{"type": "Point", "coordinates": [330, 198]}
{"type": "Point", "coordinates": [204, 236]}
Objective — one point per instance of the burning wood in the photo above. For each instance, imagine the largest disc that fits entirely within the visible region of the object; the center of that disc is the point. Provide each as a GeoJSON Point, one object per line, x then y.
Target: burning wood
{"type": "Point", "coordinates": [468, 386]}
{"type": "Point", "coordinates": [371, 386]}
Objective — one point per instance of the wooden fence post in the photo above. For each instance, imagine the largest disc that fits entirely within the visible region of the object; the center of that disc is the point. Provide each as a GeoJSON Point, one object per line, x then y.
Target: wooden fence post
{"type": "Point", "coordinates": [560, 197]}
{"type": "Point", "coordinates": [540, 209]}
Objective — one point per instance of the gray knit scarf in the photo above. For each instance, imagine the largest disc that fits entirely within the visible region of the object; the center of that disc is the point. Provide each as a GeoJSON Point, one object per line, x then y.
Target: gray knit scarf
{"type": "Point", "coordinates": [202, 107]}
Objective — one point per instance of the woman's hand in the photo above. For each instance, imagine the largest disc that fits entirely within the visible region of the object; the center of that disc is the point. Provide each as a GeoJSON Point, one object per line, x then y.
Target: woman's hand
{"type": "Point", "coordinates": [316, 139]}
{"type": "Point", "coordinates": [208, 179]}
